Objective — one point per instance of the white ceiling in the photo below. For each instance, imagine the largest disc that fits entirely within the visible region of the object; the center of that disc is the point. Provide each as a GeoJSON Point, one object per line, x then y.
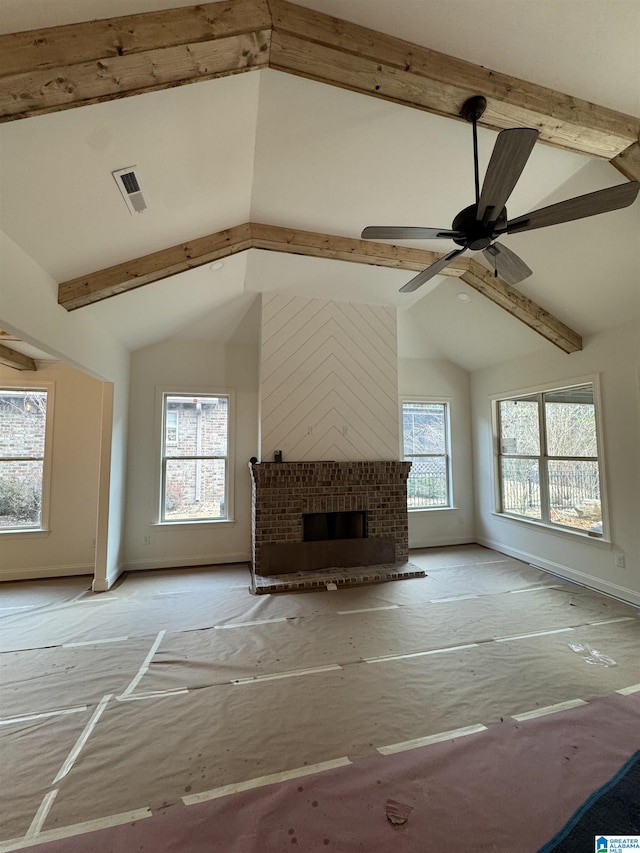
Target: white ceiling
{"type": "Point", "coordinates": [273, 148]}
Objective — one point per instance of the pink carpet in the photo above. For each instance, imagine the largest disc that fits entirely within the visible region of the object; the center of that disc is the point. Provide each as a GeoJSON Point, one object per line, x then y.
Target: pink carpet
{"type": "Point", "coordinates": [505, 790]}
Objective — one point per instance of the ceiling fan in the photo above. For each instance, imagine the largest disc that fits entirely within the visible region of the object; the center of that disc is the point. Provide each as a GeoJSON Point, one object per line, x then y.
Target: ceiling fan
{"type": "Point", "coordinates": [479, 226]}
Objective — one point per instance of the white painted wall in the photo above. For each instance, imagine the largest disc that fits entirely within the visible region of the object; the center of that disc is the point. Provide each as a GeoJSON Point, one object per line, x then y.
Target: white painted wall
{"type": "Point", "coordinates": [615, 356]}
{"type": "Point", "coordinates": [201, 365]}
{"type": "Point", "coordinates": [67, 548]}
{"type": "Point", "coordinates": [29, 309]}
{"type": "Point", "coordinates": [439, 380]}
{"type": "Point", "coordinates": [112, 484]}
{"type": "Point", "coordinates": [328, 380]}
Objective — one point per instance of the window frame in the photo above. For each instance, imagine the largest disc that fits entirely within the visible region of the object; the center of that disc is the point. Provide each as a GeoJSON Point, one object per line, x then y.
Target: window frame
{"type": "Point", "coordinates": [162, 392]}
{"type": "Point", "coordinates": [544, 458]}
{"type": "Point", "coordinates": [447, 456]}
{"type": "Point", "coordinates": [47, 459]}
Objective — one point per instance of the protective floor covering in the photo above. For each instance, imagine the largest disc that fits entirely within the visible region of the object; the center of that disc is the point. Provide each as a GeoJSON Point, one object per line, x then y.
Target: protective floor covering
{"type": "Point", "coordinates": [187, 714]}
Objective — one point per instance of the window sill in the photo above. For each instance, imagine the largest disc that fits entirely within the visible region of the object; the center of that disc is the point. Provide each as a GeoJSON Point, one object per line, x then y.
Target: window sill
{"type": "Point", "coordinates": [412, 509]}
{"type": "Point", "coordinates": [207, 523]}
{"type": "Point", "coordinates": [38, 533]}
{"type": "Point", "coordinates": [599, 540]}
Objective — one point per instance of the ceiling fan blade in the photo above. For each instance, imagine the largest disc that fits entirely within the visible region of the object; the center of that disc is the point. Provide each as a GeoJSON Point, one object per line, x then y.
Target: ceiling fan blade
{"type": "Point", "coordinates": [392, 232]}
{"type": "Point", "coordinates": [510, 154]}
{"type": "Point", "coordinates": [432, 270]}
{"type": "Point", "coordinates": [508, 265]}
{"type": "Point", "coordinates": [601, 201]}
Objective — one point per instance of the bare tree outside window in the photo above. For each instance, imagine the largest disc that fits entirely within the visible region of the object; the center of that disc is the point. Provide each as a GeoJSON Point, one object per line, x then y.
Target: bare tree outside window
{"type": "Point", "coordinates": [548, 458]}
{"type": "Point", "coordinates": [425, 439]}
{"type": "Point", "coordinates": [23, 420]}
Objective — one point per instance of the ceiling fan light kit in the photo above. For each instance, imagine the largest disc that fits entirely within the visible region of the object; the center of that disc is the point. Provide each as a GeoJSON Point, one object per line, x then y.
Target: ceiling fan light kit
{"type": "Point", "coordinates": [478, 227]}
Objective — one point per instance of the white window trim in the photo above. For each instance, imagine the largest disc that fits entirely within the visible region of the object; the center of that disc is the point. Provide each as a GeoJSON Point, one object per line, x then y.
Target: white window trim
{"type": "Point", "coordinates": [549, 527]}
{"type": "Point", "coordinates": [47, 465]}
{"type": "Point", "coordinates": [195, 391]}
{"type": "Point", "coordinates": [446, 401]}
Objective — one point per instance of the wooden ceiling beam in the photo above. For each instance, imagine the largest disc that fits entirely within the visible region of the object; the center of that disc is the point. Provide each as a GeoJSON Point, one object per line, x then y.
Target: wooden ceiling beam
{"type": "Point", "coordinates": [315, 45]}
{"type": "Point", "coordinates": [12, 358]}
{"type": "Point", "coordinates": [629, 162]}
{"type": "Point", "coordinates": [87, 289]}
{"type": "Point", "coordinates": [47, 70]}
{"type": "Point", "coordinates": [312, 244]}
{"type": "Point", "coordinates": [61, 67]}
{"type": "Point", "coordinates": [109, 38]}
{"type": "Point", "coordinates": [522, 308]}
{"type": "Point", "coordinates": [92, 288]}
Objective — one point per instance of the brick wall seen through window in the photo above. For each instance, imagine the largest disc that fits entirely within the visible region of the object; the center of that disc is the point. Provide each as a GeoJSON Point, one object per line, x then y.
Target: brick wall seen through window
{"type": "Point", "coordinates": [23, 420]}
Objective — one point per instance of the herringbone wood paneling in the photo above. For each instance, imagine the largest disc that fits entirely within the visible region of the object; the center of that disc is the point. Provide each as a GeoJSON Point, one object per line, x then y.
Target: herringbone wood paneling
{"type": "Point", "coordinates": [328, 380]}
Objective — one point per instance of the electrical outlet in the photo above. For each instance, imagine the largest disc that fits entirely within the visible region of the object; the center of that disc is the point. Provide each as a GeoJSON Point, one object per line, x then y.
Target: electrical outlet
{"type": "Point", "coordinates": [147, 539]}
{"type": "Point", "coordinates": [309, 430]}
{"type": "Point", "coordinates": [345, 430]}
{"type": "Point", "coordinates": [619, 558]}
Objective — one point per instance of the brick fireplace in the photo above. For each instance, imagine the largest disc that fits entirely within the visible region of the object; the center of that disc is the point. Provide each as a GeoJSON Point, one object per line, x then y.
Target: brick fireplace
{"type": "Point", "coordinates": [333, 493]}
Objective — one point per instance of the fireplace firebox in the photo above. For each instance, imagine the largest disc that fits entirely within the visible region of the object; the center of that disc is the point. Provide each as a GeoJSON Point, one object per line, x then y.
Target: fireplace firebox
{"type": "Point", "coordinates": [322, 526]}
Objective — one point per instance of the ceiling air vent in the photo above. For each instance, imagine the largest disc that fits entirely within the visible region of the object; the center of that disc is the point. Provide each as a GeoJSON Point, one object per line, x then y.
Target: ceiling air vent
{"type": "Point", "coordinates": [129, 186]}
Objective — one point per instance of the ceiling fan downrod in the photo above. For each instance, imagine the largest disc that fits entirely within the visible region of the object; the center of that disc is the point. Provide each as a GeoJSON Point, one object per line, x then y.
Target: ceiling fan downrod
{"type": "Point", "coordinates": [472, 110]}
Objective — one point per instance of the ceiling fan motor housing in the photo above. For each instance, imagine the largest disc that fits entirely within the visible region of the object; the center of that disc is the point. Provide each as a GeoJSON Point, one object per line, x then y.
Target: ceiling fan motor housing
{"type": "Point", "coordinates": [477, 234]}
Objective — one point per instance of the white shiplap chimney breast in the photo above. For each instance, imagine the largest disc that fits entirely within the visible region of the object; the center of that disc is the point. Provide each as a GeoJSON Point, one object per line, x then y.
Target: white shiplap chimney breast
{"type": "Point", "coordinates": [328, 380]}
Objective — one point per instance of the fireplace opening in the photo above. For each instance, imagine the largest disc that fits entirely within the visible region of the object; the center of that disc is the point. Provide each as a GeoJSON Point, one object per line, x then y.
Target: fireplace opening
{"type": "Point", "coordinates": [321, 526]}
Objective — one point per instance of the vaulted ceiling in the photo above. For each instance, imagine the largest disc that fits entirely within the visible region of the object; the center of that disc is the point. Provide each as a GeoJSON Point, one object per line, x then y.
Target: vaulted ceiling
{"type": "Point", "coordinates": [276, 173]}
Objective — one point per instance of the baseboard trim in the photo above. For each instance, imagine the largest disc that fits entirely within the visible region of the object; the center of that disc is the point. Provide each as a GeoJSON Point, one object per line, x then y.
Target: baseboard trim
{"type": "Point", "coordinates": [106, 584]}
{"type": "Point", "coordinates": [184, 562]}
{"type": "Point", "coordinates": [43, 572]}
{"type": "Point", "coordinates": [441, 543]}
{"type": "Point", "coordinates": [621, 593]}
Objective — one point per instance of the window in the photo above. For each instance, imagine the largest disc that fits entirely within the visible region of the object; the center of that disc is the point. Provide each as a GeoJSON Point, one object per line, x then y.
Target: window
{"type": "Point", "coordinates": [548, 458]}
{"type": "Point", "coordinates": [425, 431]}
{"type": "Point", "coordinates": [23, 448]}
{"type": "Point", "coordinates": [195, 457]}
